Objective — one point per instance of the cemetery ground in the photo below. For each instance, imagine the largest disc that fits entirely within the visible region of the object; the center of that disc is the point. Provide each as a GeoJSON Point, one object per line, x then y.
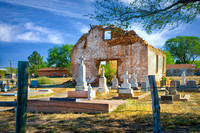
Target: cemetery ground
{"type": "Point", "coordinates": [135, 115]}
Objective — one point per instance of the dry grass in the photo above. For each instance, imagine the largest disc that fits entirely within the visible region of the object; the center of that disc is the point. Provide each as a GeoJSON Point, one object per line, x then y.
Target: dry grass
{"type": "Point", "coordinates": [134, 116]}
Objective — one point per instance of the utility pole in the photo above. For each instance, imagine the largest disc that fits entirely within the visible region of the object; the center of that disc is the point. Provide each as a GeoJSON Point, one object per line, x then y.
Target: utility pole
{"type": "Point", "coordinates": [11, 68]}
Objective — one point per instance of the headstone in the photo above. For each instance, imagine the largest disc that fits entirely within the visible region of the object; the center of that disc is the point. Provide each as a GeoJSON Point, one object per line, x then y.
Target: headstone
{"type": "Point", "coordinates": [89, 92]}
{"type": "Point", "coordinates": [172, 88]}
{"type": "Point", "coordinates": [81, 84]}
{"type": "Point", "coordinates": [126, 86]}
{"type": "Point", "coordinates": [102, 82]}
{"type": "Point", "coordinates": [1, 85]}
{"type": "Point", "coordinates": [115, 83]}
{"type": "Point", "coordinates": [183, 78]}
{"type": "Point", "coordinates": [146, 79]}
{"type": "Point", "coordinates": [134, 84]}
{"type": "Point", "coordinates": [144, 86]}
{"type": "Point", "coordinates": [191, 84]}
{"type": "Point", "coordinates": [177, 84]}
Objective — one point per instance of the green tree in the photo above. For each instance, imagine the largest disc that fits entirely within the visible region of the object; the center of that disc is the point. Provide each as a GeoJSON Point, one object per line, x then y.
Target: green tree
{"type": "Point", "coordinates": [2, 74]}
{"type": "Point", "coordinates": [109, 73]}
{"type": "Point", "coordinates": [36, 62]}
{"type": "Point", "coordinates": [60, 56]}
{"type": "Point", "coordinates": [197, 64]}
{"type": "Point", "coordinates": [169, 58]}
{"type": "Point", "coordinates": [14, 70]}
{"type": "Point", "coordinates": [152, 14]}
{"type": "Point", "coordinates": [183, 48]}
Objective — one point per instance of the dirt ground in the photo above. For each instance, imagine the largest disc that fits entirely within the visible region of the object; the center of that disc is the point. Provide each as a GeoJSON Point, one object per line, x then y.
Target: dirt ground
{"type": "Point", "coordinates": [134, 116]}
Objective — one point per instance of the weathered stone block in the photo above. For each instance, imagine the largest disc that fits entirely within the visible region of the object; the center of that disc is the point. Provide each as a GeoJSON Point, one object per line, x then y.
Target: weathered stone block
{"type": "Point", "coordinates": [167, 98]}
{"type": "Point", "coordinates": [80, 94]}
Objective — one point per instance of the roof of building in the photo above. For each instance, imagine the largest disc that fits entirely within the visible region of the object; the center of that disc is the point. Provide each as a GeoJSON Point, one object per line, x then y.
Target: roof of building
{"type": "Point", "coordinates": [180, 66]}
{"type": "Point", "coordinates": [53, 69]}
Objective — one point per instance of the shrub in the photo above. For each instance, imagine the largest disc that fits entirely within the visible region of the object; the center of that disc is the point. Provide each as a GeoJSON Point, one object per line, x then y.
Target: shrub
{"type": "Point", "coordinates": [44, 80]}
{"type": "Point", "coordinates": [2, 74]}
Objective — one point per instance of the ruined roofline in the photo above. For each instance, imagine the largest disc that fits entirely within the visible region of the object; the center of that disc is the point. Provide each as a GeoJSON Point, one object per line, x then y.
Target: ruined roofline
{"type": "Point", "coordinates": [119, 37]}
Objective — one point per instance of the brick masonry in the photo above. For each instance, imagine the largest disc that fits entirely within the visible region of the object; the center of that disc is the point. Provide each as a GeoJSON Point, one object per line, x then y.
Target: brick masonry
{"type": "Point", "coordinates": [130, 51]}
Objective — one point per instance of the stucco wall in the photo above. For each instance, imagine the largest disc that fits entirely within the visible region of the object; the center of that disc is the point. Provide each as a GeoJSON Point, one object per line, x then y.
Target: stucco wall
{"type": "Point", "coordinates": [132, 58]}
{"type": "Point", "coordinates": [152, 52]}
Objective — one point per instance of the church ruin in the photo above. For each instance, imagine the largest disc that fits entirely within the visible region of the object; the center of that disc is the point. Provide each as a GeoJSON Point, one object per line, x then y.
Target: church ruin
{"type": "Point", "coordinates": [125, 50]}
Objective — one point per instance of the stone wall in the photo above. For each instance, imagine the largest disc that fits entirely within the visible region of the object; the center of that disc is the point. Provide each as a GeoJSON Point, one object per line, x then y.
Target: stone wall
{"type": "Point", "coordinates": [130, 51]}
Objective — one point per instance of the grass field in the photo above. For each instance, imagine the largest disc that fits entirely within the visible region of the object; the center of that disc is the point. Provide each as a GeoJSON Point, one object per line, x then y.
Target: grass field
{"type": "Point", "coordinates": [134, 116]}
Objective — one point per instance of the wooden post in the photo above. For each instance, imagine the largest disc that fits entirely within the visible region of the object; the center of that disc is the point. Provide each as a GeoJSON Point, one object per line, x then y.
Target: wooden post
{"type": "Point", "coordinates": [155, 104]}
{"type": "Point", "coordinates": [22, 97]}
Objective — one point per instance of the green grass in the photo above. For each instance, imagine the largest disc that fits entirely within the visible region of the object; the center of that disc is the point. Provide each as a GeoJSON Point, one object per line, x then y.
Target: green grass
{"type": "Point", "coordinates": [134, 116]}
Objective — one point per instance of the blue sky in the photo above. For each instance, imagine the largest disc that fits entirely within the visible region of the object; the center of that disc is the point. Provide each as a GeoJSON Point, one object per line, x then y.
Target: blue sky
{"type": "Point", "coordinates": [28, 25]}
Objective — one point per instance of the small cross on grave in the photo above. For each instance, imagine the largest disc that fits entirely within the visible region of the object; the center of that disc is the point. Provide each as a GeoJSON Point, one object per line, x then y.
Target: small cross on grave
{"type": "Point", "coordinates": [126, 77]}
{"type": "Point", "coordinates": [81, 59]}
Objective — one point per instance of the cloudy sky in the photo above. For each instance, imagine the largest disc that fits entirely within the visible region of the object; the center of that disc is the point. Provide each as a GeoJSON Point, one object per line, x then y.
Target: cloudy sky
{"type": "Point", "coordinates": [28, 25]}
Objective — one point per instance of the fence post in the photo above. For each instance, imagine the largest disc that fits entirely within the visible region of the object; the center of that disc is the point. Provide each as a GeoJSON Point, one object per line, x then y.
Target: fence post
{"type": "Point", "coordinates": [155, 104]}
{"type": "Point", "coordinates": [22, 97]}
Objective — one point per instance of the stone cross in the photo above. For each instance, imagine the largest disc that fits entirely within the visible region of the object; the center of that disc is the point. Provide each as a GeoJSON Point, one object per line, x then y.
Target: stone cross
{"type": "Point", "coordinates": [126, 77]}
{"type": "Point", "coordinates": [81, 59]}
{"type": "Point", "coordinates": [183, 78]}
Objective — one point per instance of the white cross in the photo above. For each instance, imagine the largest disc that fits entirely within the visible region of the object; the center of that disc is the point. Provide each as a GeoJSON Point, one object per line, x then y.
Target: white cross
{"type": "Point", "coordinates": [126, 76]}
{"type": "Point", "coordinates": [81, 58]}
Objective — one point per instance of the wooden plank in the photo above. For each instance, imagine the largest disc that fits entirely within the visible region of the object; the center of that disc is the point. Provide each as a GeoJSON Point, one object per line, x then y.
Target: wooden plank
{"type": "Point", "coordinates": [66, 106]}
{"type": "Point", "coordinates": [155, 104]}
{"type": "Point", "coordinates": [22, 97]}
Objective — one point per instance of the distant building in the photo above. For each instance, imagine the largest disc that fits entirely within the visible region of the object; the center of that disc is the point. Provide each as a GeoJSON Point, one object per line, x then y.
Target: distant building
{"type": "Point", "coordinates": [54, 72]}
{"type": "Point", "coordinates": [177, 69]}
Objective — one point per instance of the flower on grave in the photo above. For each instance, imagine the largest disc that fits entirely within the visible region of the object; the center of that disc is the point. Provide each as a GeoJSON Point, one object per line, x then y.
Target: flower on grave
{"type": "Point", "coordinates": [164, 77]}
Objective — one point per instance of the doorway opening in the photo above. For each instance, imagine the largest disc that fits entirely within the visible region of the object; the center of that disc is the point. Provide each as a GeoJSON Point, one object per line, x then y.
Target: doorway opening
{"type": "Point", "coordinates": [110, 67]}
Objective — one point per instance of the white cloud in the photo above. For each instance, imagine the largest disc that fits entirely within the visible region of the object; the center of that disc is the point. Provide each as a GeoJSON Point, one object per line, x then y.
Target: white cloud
{"type": "Point", "coordinates": [157, 39]}
{"type": "Point", "coordinates": [29, 33]}
{"type": "Point", "coordinates": [81, 27]}
{"type": "Point", "coordinates": [84, 29]}
{"type": "Point", "coordinates": [66, 8]}
{"type": "Point", "coordinates": [5, 32]}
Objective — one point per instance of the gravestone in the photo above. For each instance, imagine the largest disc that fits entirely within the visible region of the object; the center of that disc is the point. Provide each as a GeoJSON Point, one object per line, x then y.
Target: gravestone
{"type": "Point", "coordinates": [89, 92]}
{"type": "Point", "coordinates": [177, 84]}
{"type": "Point", "coordinates": [144, 86]}
{"type": "Point", "coordinates": [172, 88]}
{"type": "Point", "coordinates": [1, 85]}
{"type": "Point", "coordinates": [191, 84]}
{"type": "Point", "coordinates": [102, 82]}
{"type": "Point", "coordinates": [81, 84]}
{"type": "Point", "coordinates": [115, 83]}
{"type": "Point", "coordinates": [125, 90]}
{"type": "Point", "coordinates": [183, 78]}
{"type": "Point", "coordinates": [134, 84]}
{"type": "Point", "coordinates": [146, 79]}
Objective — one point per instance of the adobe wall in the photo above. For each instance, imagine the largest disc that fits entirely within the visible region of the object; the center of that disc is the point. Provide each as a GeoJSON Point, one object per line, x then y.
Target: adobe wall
{"type": "Point", "coordinates": [132, 57]}
{"type": "Point", "coordinates": [152, 52]}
